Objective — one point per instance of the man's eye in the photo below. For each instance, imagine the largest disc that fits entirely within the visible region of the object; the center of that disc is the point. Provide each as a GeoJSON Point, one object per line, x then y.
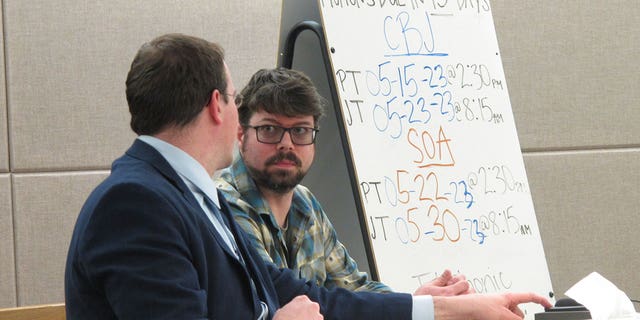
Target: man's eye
{"type": "Point", "coordinates": [268, 129]}
{"type": "Point", "coordinates": [299, 130]}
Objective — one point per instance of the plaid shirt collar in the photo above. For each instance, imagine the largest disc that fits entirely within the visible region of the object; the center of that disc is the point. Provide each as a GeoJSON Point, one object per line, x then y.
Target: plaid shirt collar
{"type": "Point", "coordinates": [249, 191]}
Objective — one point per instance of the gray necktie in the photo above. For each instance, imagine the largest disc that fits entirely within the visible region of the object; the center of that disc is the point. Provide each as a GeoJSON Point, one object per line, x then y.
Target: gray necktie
{"type": "Point", "coordinates": [225, 233]}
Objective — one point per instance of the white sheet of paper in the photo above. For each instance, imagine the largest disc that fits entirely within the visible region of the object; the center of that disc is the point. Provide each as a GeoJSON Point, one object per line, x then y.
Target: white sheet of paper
{"type": "Point", "coordinates": [603, 299]}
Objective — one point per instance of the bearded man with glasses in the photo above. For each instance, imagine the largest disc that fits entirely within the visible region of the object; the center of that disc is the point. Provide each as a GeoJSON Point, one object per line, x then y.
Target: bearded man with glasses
{"type": "Point", "coordinates": [284, 221]}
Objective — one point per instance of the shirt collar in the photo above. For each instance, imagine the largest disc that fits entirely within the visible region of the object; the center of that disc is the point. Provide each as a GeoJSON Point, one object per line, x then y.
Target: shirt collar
{"type": "Point", "coordinates": [246, 186]}
{"type": "Point", "coordinates": [238, 175]}
{"type": "Point", "coordinates": [187, 167]}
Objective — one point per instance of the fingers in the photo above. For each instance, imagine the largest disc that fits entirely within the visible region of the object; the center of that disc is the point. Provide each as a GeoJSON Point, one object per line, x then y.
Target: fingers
{"type": "Point", "coordinates": [457, 278]}
{"type": "Point", "coordinates": [460, 278]}
{"type": "Point", "coordinates": [518, 298]}
{"type": "Point", "coordinates": [305, 302]}
{"type": "Point", "coordinates": [510, 302]}
{"type": "Point", "coordinates": [301, 299]}
{"type": "Point", "coordinates": [458, 288]}
{"type": "Point", "coordinates": [442, 280]}
{"type": "Point", "coordinates": [485, 306]}
{"type": "Point", "coordinates": [514, 299]}
{"type": "Point", "coordinates": [446, 285]}
{"type": "Point", "coordinates": [517, 311]}
{"type": "Point", "coordinates": [300, 307]}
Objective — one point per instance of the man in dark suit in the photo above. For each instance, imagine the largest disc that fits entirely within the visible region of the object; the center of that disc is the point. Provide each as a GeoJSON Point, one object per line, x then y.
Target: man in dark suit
{"type": "Point", "coordinates": [155, 239]}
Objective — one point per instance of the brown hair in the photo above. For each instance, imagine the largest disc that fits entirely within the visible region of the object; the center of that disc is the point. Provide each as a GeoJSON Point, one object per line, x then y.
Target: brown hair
{"type": "Point", "coordinates": [171, 80]}
{"type": "Point", "coordinates": [280, 91]}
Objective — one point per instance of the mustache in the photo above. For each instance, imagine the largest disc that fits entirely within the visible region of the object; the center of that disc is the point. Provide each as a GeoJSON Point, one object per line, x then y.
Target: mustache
{"type": "Point", "coordinates": [284, 156]}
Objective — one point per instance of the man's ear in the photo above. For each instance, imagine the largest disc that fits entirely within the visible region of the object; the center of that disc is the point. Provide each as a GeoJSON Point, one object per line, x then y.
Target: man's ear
{"type": "Point", "coordinates": [215, 109]}
{"type": "Point", "coordinates": [240, 133]}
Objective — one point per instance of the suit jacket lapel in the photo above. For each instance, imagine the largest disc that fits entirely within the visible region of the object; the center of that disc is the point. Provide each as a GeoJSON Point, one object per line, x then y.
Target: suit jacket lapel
{"type": "Point", "coordinates": [217, 234]}
{"type": "Point", "coordinates": [250, 260]}
{"type": "Point", "coordinates": [144, 152]}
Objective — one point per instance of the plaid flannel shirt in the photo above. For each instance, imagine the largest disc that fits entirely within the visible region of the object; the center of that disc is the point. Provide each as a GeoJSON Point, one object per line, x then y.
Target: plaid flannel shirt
{"type": "Point", "coordinates": [309, 245]}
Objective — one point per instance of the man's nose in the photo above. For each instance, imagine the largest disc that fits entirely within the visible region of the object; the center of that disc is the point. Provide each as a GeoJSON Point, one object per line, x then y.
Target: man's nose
{"type": "Point", "coordinates": [286, 142]}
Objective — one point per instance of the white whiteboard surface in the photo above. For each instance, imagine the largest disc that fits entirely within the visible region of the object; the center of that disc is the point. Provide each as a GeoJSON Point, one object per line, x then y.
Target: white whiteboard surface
{"type": "Point", "coordinates": [434, 144]}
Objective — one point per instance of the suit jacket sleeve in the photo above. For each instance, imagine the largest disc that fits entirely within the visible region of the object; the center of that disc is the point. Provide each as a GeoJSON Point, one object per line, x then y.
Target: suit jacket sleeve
{"type": "Point", "coordinates": [340, 303]}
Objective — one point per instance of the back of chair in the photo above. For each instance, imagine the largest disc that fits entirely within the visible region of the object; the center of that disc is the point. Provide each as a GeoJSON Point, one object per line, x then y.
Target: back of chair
{"type": "Point", "coordinates": [39, 312]}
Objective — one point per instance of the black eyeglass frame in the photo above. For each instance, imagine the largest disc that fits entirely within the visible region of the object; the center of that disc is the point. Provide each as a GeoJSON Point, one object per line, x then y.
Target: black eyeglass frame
{"type": "Point", "coordinates": [237, 98]}
{"type": "Point", "coordinates": [314, 132]}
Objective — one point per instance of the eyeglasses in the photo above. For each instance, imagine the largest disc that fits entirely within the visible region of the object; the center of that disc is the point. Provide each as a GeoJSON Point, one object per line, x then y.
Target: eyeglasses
{"type": "Point", "coordinates": [237, 98]}
{"type": "Point", "coordinates": [271, 134]}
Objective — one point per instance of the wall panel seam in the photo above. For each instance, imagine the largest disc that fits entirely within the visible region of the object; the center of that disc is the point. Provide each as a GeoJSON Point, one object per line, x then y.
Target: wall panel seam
{"type": "Point", "coordinates": [15, 238]}
{"type": "Point", "coordinates": [62, 170]}
{"type": "Point", "coordinates": [599, 149]}
{"type": "Point", "coordinates": [12, 188]}
{"type": "Point", "coordinates": [6, 82]}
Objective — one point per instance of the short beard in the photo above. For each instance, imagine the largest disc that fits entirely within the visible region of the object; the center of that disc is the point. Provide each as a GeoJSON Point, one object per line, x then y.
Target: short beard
{"type": "Point", "coordinates": [280, 181]}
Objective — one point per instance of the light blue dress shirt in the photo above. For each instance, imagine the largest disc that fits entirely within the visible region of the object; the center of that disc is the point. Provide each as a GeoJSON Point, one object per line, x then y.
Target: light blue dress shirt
{"type": "Point", "coordinates": [197, 179]}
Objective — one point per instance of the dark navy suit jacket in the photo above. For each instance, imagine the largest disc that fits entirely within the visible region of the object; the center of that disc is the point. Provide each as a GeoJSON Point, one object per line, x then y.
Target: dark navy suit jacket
{"type": "Point", "coordinates": [142, 248]}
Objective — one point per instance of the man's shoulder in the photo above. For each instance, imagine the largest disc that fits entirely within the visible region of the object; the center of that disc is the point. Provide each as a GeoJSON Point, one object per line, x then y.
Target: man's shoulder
{"type": "Point", "coordinates": [132, 180]}
{"type": "Point", "coordinates": [127, 182]}
{"type": "Point", "coordinates": [304, 191]}
{"type": "Point", "coordinates": [240, 205]}
{"type": "Point", "coordinates": [225, 183]}
{"type": "Point", "coordinates": [305, 202]}
{"type": "Point", "coordinates": [130, 171]}
{"type": "Point", "coordinates": [125, 192]}
{"type": "Point", "coordinates": [304, 194]}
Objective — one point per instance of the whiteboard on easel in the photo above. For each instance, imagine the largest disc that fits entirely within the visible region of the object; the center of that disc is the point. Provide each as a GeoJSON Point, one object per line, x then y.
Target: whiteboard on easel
{"type": "Point", "coordinates": [434, 145]}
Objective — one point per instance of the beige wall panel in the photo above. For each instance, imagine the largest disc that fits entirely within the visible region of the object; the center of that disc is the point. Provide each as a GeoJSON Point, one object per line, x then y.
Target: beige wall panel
{"type": "Point", "coordinates": [587, 209]}
{"type": "Point", "coordinates": [572, 71]}
{"type": "Point", "coordinates": [7, 264]}
{"type": "Point", "coordinates": [46, 207]}
{"type": "Point", "coordinates": [4, 144]}
{"type": "Point", "coordinates": [67, 62]}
